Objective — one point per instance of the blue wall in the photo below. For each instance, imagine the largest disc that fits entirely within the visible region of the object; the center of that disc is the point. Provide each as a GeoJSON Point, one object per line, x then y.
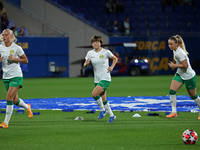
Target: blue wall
{"type": "Point", "coordinates": [40, 51]}
{"type": "Point", "coordinates": [156, 50]}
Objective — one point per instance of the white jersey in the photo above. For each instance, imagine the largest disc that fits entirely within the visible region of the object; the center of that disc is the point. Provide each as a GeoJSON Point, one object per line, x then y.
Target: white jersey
{"type": "Point", "coordinates": [11, 69]}
{"type": "Point", "coordinates": [185, 73]}
{"type": "Point", "coordinates": [100, 62]}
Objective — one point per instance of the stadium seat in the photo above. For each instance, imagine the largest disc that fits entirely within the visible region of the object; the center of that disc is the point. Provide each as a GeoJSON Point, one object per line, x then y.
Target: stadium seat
{"type": "Point", "coordinates": [193, 18]}
{"type": "Point", "coordinates": [184, 27]}
{"type": "Point", "coordinates": [137, 11]}
{"type": "Point", "coordinates": [182, 16]}
{"type": "Point", "coordinates": [152, 26]}
{"type": "Point", "coordinates": [138, 3]}
{"type": "Point", "coordinates": [11, 23]}
{"type": "Point", "coordinates": [189, 9]}
{"type": "Point", "coordinates": [168, 9]}
{"type": "Point", "coordinates": [162, 18]}
{"type": "Point", "coordinates": [141, 19]}
{"type": "Point", "coordinates": [142, 8]}
{"type": "Point", "coordinates": [157, 7]}
{"type": "Point", "coordinates": [152, 19]}
{"type": "Point", "coordinates": [179, 9]}
{"type": "Point", "coordinates": [147, 11]}
{"type": "Point", "coordinates": [147, 6]}
{"type": "Point", "coordinates": [165, 31]}
{"type": "Point", "coordinates": [143, 32]}
{"type": "Point", "coordinates": [154, 32]}
{"type": "Point", "coordinates": [194, 27]}
{"type": "Point", "coordinates": [172, 18]}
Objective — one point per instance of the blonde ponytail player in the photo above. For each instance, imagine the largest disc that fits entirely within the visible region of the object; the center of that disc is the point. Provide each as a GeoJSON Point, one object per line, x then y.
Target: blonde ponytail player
{"type": "Point", "coordinates": [184, 75]}
{"type": "Point", "coordinates": [11, 56]}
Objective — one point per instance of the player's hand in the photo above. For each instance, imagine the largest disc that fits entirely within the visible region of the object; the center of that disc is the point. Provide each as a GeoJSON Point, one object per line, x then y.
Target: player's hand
{"type": "Point", "coordinates": [11, 57]}
{"type": "Point", "coordinates": [171, 64]}
{"type": "Point", "coordinates": [110, 69]}
{"type": "Point", "coordinates": [1, 59]}
{"type": "Point", "coordinates": [86, 62]}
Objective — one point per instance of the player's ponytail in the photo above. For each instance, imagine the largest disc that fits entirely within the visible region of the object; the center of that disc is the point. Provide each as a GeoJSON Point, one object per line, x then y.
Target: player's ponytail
{"type": "Point", "coordinates": [181, 43]}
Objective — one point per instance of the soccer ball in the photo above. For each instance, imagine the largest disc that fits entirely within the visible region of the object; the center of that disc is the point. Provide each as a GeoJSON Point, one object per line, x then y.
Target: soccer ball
{"type": "Point", "coordinates": [189, 136]}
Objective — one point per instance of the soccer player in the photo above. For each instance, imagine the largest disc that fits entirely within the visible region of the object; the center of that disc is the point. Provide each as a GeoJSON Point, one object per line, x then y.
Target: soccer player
{"type": "Point", "coordinates": [11, 56]}
{"type": "Point", "coordinates": [185, 74]}
{"type": "Point", "coordinates": [99, 57]}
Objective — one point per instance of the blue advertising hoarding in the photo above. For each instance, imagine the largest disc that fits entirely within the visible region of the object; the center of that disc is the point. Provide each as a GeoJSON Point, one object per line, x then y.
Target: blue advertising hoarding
{"type": "Point", "coordinates": [156, 51]}
{"type": "Point", "coordinates": [41, 51]}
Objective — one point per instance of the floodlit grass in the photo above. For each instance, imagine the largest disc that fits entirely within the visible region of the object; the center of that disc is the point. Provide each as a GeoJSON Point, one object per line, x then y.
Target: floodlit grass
{"type": "Point", "coordinates": [57, 130]}
{"type": "Point", "coordinates": [82, 87]}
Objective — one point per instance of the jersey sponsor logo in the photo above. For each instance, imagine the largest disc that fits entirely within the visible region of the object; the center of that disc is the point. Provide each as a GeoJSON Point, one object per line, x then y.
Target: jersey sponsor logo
{"type": "Point", "coordinates": [101, 56]}
{"type": "Point", "coordinates": [12, 51]}
{"type": "Point", "coordinates": [11, 62]}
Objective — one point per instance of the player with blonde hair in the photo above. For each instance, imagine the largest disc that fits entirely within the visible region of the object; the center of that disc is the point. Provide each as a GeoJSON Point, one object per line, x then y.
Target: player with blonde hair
{"type": "Point", "coordinates": [11, 56]}
{"type": "Point", "coordinates": [184, 75]}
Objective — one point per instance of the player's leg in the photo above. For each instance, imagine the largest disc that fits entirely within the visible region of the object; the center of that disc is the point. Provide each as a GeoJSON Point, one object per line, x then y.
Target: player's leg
{"type": "Point", "coordinates": [19, 102]}
{"type": "Point", "coordinates": [175, 85]}
{"type": "Point", "coordinates": [191, 88]}
{"type": "Point", "coordinates": [9, 109]}
{"type": "Point", "coordinates": [195, 97]}
{"type": "Point", "coordinates": [96, 95]}
{"type": "Point", "coordinates": [107, 107]}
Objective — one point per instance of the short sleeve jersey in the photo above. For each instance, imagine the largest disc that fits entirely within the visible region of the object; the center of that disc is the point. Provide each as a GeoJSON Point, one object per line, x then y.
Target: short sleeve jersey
{"type": "Point", "coordinates": [11, 69]}
{"type": "Point", "coordinates": [185, 73]}
{"type": "Point", "coordinates": [100, 62]}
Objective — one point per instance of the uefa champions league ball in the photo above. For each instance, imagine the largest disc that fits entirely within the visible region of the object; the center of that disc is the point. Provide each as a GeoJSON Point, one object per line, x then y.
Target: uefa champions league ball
{"type": "Point", "coordinates": [189, 137]}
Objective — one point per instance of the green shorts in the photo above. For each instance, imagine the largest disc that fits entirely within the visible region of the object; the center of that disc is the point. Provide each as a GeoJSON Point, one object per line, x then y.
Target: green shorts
{"type": "Point", "coordinates": [103, 83]}
{"type": "Point", "coordinates": [13, 82]}
{"type": "Point", "coordinates": [190, 84]}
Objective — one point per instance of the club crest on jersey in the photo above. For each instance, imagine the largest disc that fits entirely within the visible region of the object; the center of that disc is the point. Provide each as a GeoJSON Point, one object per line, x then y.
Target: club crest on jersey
{"type": "Point", "coordinates": [12, 51]}
{"type": "Point", "coordinates": [101, 56]}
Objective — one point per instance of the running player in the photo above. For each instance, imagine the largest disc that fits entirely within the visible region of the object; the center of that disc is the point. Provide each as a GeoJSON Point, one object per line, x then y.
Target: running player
{"type": "Point", "coordinates": [11, 56]}
{"type": "Point", "coordinates": [185, 74]}
{"type": "Point", "coordinates": [99, 57]}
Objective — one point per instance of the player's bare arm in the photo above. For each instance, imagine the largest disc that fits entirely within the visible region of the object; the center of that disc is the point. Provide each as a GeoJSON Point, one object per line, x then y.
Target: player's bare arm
{"type": "Point", "coordinates": [183, 64]}
{"type": "Point", "coordinates": [22, 59]}
{"type": "Point", "coordinates": [114, 58]}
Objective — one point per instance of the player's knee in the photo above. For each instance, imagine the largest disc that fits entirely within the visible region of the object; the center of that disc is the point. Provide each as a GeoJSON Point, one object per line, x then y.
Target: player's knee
{"type": "Point", "coordinates": [9, 97]}
{"type": "Point", "coordinates": [102, 93]}
{"type": "Point", "coordinates": [96, 97]}
{"type": "Point", "coordinates": [172, 92]}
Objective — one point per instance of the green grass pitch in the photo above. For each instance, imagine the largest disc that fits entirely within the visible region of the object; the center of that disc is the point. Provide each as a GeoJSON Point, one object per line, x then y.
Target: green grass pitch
{"type": "Point", "coordinates": [57, 130]}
